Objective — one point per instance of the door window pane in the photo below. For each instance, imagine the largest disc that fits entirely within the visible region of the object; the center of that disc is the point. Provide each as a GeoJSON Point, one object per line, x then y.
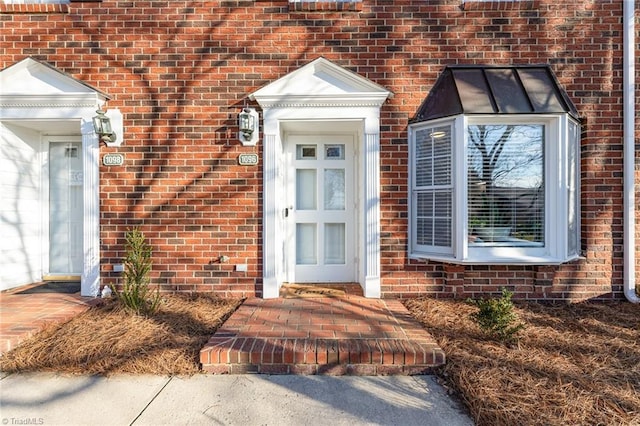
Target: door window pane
{"type": "Point", "coordinates": [334, 189]}
{"type": "Point", "coordinates": [306, 244]}
{"type": "Point", "coordinates": [306, 194]}
{"type": "Point", "coordinates": [334, 152]}
{"type": "Point", "coordinates": [305, 152]}
{"type": "Point", "coordinates": [334, 244]}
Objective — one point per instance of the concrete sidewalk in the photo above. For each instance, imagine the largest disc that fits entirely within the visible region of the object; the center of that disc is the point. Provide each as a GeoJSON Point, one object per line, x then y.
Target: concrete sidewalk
{"type": "Point", "coordinates": [50, 399]}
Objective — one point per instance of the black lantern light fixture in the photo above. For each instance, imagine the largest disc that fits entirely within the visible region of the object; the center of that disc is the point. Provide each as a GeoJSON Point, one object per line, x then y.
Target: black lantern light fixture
{"type": "Point", "coordinates": [102, 127]}
{"type": "Point", "coordinates": [248, 126]}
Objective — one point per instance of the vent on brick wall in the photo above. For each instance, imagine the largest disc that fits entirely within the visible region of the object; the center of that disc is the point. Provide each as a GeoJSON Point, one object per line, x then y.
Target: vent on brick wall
{"type": "Point", "coordinates": [498, 4]}
{"type": "Point", "coordinates": [324, 5]}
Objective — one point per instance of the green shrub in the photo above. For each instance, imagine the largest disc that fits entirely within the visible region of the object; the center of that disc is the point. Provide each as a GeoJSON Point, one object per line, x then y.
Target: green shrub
{"type": "Point", "coordinates": [136, 295]}
{"type": "Point", "coordinates": [497, 318]}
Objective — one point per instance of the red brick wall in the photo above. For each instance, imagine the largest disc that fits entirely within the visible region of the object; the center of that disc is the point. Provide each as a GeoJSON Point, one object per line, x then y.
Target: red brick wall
{"type": "Point", "coordinates": [181, 70]}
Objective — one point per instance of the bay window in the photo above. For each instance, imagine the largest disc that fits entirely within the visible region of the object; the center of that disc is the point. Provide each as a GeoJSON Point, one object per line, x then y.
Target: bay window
{"type": "Point", "coordinates": [494, 167]}
{"type": "Point", "coordinates": [495, 189]}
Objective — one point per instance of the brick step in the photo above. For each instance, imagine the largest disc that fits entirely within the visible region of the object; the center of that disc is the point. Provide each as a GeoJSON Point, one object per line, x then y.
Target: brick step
{"type": "Point", "coordinates": [240, 355]}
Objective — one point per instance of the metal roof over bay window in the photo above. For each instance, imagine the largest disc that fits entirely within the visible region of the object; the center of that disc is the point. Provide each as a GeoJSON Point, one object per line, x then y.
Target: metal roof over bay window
{"type": "Point", "coordinates": [486, 89]}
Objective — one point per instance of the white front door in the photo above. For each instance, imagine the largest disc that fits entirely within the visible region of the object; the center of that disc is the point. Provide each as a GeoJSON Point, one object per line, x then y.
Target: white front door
{"type": "Point", "coordinates": [65, 208]}
{"type": "Point", "coordinates": [320, 208]}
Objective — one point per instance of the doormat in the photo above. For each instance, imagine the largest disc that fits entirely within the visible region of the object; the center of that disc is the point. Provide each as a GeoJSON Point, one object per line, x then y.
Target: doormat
{"type": "Point", "coordinates": [289, 291]}
{"type": "Point", "coordinates": [62, 287]}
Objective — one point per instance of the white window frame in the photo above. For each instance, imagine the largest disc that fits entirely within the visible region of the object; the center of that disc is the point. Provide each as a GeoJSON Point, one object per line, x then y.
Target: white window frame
{"type": "Point", "coordinates": [561, 146]}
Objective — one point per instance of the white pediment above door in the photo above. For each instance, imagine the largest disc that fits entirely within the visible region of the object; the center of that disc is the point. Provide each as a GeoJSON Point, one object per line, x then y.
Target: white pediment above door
{"type": "Point", "coordinates": [321, 83]}
{"type": "Point", "coordinates": [31, 83]}
{"type": "Point", "coordinates": [33, 76]}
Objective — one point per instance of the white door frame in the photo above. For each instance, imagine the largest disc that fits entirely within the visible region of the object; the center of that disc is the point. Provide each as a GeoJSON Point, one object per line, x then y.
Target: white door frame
{"type": "Point", "coordinates": [368, 206]}
{"type": "Point", "coordinates": [319, 96]}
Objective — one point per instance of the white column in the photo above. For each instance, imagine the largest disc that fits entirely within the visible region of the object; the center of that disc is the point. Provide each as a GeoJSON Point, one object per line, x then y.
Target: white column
{"type": "Point", "coordinates": [372, 215]}
{"type": "Point", "coordinates": [90, 279]}
{"type": "Point", "coordinates": [270, 287]}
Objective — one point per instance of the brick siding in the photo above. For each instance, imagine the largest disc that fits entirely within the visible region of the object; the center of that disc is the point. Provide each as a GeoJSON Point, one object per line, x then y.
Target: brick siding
{"type": "Point", "coordinates": [180, 71]}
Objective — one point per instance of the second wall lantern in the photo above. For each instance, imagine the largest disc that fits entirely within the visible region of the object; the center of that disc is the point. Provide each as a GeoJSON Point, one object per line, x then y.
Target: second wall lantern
{"type": "Point", "coordinates": [248, 126]}
{"type": "Point", "coordinates": [109, 127]}
{"type": "Point", "coordinates": [102, 127]}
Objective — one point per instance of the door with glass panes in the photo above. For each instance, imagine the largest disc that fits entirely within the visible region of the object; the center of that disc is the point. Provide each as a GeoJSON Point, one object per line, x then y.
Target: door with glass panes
{"type": "Point", "coordinates": [320, 205]}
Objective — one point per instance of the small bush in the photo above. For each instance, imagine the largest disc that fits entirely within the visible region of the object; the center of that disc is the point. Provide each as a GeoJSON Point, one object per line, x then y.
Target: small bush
{"type": "Point", "coordinates": [496, 317]}
{"type": "Point", "coordinates": [136, 295]}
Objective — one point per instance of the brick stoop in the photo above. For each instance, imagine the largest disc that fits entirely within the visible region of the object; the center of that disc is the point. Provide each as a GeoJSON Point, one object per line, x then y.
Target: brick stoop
{"type": "Point", "coordinates": [345, 335]}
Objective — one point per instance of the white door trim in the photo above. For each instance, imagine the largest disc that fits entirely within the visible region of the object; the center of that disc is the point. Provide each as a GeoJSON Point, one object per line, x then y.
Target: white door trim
{"type": "Point", "coordinates": [367, 233]}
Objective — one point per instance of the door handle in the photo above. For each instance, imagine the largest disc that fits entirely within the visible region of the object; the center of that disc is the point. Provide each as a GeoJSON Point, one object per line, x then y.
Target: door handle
{"type": "Point", "coordinates": [286, 212]}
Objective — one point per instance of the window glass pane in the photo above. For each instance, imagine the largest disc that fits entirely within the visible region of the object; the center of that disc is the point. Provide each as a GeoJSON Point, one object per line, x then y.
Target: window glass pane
{"type": "Point", "coordinates": [442, 170]}
{"type": "Point", "coordinates": [433, 217]}
{"type": "Point", "coordinates": [423, 158]}
{"type": "Point", "coordinates": [334, 189]}
{"type": "Point", "coordinates": [334, 152]}
{"type": "Point", "coordinates": [433, 178]}
{"type": "Point", "coordinates": [306, 189]}
{"type": "Point", "coordinates": [506, 184]}
{"type": "Point", "coordinates": [573, 202]}
{"type": "Point", "coordinates": [306, 244]}
{"type": "Point", "coordinates": [442, 232]}
{"type": "Point", "coordinates": [306, 152]}
{"type": "Point", "coordinates": [334, 244]}
{"type": "Point", "coordinates": [433, 156]}
{"type": "Point", "coordinates": [424, 232]}
{"type": "Point", "coordinates": [423, 172]}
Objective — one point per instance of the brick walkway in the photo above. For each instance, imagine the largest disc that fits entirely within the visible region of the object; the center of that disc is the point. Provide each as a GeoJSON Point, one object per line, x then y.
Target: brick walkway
{"type": "Point", "coordinates": [22, 315]}
{"type": "Point", "coordinates": [326, 335]}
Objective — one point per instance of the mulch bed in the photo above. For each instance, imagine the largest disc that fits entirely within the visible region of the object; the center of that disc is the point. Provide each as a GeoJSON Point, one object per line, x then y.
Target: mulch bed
{"type": "Point", "coordinates": [574, 364]}
{"type": "Point", "coordinates": [106, 339]}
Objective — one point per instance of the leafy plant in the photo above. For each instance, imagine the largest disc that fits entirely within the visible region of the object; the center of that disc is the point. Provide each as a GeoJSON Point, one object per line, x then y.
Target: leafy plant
{"type": "Point", "coordinates": [136, 295]}
{"type": "Point", "coordinates": [497, 318]}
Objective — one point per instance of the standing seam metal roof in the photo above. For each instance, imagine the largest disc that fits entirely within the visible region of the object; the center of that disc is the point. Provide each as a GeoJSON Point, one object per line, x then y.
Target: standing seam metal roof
{"type": "Point", "coordinates": [484, 89]}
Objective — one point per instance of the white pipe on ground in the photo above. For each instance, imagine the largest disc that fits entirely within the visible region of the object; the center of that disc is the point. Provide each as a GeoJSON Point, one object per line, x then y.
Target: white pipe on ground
{"type": "Point", "coordinates": [629, 46]}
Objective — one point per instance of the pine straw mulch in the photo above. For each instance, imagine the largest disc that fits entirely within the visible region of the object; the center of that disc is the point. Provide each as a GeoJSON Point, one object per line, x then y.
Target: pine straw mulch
{"type": "Point", "coordinates": [106, 339]}
{"type": "Point", "coordinates": [575, 364]}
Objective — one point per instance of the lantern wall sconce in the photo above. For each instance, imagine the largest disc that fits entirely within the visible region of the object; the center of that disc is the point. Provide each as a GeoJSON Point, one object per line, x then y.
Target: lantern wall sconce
{"type": "Point", "coordinates": [108, 126]}
{"type": "Point", "coordinates": [248, 125]}
{"type": "Point", "coordinates": [102, 127]}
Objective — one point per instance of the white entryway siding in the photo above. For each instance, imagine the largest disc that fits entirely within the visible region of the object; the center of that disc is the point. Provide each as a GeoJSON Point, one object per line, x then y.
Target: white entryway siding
{"type": "Point", "coordinates": [20, 186]}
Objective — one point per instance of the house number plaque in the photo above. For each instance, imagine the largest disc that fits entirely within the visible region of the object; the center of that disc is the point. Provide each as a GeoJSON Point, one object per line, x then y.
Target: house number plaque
{"type": "Point", "coordinates": [248, 159]}
{"type": "Point", "coordinates": [113, 159]}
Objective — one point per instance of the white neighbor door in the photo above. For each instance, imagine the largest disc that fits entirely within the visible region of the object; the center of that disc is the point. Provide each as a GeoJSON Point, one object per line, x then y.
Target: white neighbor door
{"type": "Point", "coordinates": [65, 208]}
{"type": "Point", "coordinates": [320, 212]}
